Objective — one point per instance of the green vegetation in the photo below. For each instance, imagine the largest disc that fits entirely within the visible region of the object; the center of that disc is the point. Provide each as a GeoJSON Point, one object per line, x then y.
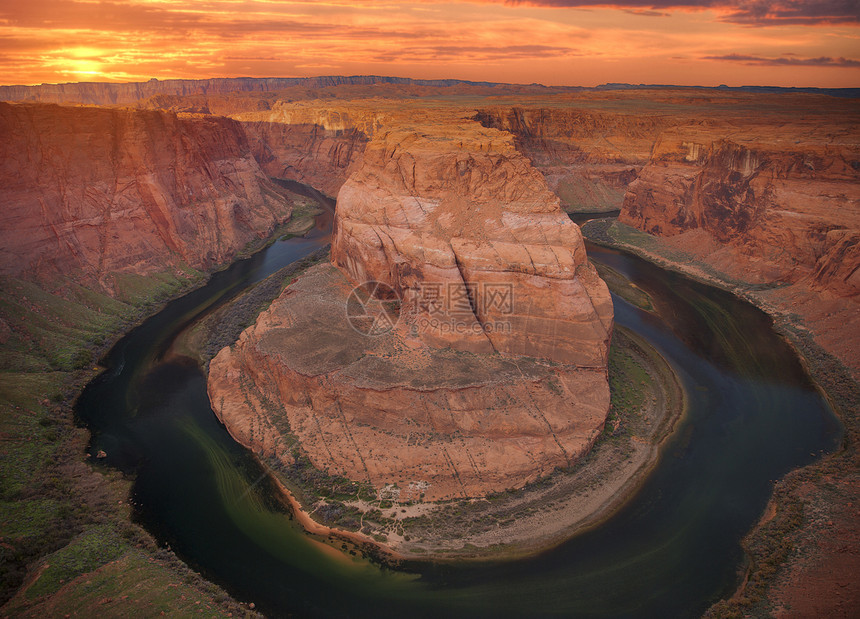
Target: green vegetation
{"type": "Point", "coordinates": [86, 552]}
{"type": "Point", "coordinates": [629, 386]}
{"type": "Point", "coordinates": [145, 583]}
{"type": "Point", "coordinates": [60, 327]}
{"type": "Point", "coordinates": [223, 327]}
{"type": "Point", "coordinates": [302, 220]}
{"type": "Point", "coordinates": [624, 288]}
{"type": "Point", "coordinates": [61, 518]}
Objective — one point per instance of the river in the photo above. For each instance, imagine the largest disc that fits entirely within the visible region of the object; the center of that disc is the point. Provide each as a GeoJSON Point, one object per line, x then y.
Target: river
{"type": "Point", "coordinates": [671, 551]}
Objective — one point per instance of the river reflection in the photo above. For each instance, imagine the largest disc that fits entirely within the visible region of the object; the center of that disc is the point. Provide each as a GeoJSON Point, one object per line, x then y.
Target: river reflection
{"type": "Point", "coordinates": [672, 550]}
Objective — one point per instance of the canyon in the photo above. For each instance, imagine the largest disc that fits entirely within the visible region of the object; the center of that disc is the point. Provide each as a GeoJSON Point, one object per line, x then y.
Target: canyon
{"type": "Point", "coordinates": [441, 182]}
{"type": "Point", "coordinates": [781, 218]}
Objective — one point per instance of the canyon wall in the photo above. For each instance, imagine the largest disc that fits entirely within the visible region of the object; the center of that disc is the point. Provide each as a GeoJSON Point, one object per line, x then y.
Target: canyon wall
{"type": "Point", "coordinates": [588, 156]}
{"type": "Point", "coordinates": [314, 143]}
{"type": "Point", "coordinates": [776, 210]}
{"type": "Point", "coordinates": [792, 211]}
{"type": "Point", "coordinates": [91, 191]}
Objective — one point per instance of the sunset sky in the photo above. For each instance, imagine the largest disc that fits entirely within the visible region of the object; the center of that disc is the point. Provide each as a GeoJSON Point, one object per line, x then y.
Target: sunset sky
{"type": "Point", "coordinates": [573, 42]}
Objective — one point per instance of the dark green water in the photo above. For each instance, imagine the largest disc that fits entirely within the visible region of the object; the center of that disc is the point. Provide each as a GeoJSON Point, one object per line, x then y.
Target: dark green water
{"type": "Point", "coordinates": [671, 551]}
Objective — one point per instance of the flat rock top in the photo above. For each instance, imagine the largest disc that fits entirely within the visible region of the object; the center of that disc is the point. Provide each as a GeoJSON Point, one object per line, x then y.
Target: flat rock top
{"type": "Point", "coordinates": [308, 329]}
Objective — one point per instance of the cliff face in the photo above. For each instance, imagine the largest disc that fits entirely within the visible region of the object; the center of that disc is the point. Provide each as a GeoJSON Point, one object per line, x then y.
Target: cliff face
{"type": "Point", "coordinates": [315, 145]}
{"type": "Point", "coordinates": [460, 208]}
{"type": "Point", "coordinates": [588, 156]}
{"type": "Point", "coordinates": [90, 191]}
{"type": "Point", "coordinates": [789, 211]}
{"type": "Point", "coordinates": [483, 261]}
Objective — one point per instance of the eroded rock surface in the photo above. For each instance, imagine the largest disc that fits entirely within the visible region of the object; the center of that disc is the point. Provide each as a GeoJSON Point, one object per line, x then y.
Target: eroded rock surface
{"type": "Point", "coordinates": [796, 209]}
{"type": "Point", "coordinates": [469, 393]}
{"type": "Point", "coordinates": [775, 210]}
{"type": "Point", "coordinates": [459, 208]}
{"type": "Point", "coordinates": [90, 191]}
{"type": "Point", "coordinates": [588, 155]}
{"type": "Point", "coordinates": [437, 423]}
{"type": "Point", "coordinates": [312, 144]}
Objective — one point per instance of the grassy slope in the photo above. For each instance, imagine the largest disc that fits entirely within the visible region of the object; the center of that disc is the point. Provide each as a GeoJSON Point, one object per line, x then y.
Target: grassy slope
{"type": "Point", "coordinates": [61, 518]}
{"type": "Point", "coordinates": [65, 524]}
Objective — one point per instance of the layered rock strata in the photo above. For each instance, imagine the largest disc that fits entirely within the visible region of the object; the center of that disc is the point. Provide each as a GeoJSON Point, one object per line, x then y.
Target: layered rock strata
{"type": "Point", "coordinates": [313, 144]}
{"type": "Point", "coordinates": [588, 156]}
{"type": "Point", "coordinates": [463, 211]}
{"type": "Point", "coordinates": [91, 191]}
{"type": "Point", "coordinates": [778, 210]}
{"type": "Point", "coordinates": [495, 373]}
{"type": "Point", "coordinates": [416, 423]}
{"type": "Point", "coordinates": [795, 208]}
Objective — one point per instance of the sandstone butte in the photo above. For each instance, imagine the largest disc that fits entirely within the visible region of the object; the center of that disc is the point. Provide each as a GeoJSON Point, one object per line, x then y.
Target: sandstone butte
{"type": "Point", "coordinates": [425, 411]}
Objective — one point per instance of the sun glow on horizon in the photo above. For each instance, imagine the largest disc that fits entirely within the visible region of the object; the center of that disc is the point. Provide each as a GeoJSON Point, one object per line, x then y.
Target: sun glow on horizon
{"type": "Point", "coordinates": [580, 43]}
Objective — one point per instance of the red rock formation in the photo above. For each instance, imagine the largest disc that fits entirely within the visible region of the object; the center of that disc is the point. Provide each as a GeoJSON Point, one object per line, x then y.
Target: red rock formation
{"type": "Point", "coordinates": [458, 207]}
{"type": "Point", "coordinates": [428, 406]}
{"type": "Point", "coordinates": [316, 142]}
{"type": "Point", "coordinates": [306, 152]}
{"type": "Point", "coordinates": [791, 210]}
{"type": "Point", "coordinates": [588, 156]}
{"type": "Point", "coordinates": [436, 423]}
{"type": "Point", "coordinates": [775, 208]}
{"type": "Point", "coordinates": [89, 191]}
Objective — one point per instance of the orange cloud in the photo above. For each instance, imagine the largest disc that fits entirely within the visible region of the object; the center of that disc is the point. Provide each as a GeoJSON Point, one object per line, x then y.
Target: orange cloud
{"type": "Point", "coordinates": [577, 42]}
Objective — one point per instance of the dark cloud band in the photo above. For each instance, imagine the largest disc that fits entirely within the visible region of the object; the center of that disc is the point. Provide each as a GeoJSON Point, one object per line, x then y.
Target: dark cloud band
{"type": "Point", "coordinates": [787, 61]}
{"type": "Point", "coordinates": [753, 12]}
